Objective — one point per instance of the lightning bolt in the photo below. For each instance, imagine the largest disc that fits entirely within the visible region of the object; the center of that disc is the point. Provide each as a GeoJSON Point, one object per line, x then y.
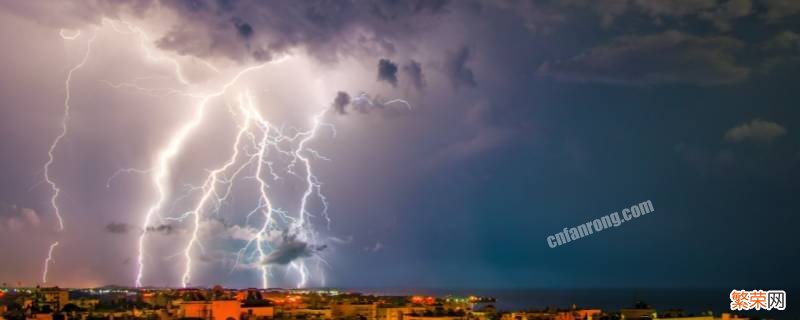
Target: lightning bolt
{"type": "Point", "coordinates": [48, 261]}
{"type": "Point", "coordinates": [312, 185]}
{"type": "Point", "coordinates": [64, 130]}
{"type": "Point", "coordinates": [272, 153]}
{"type": "Point", "coordinates": [159, 179]}
{"type": "Point", "coordinates": [270, 139]}
{"type": "Point", "coordinates": [209, 188]}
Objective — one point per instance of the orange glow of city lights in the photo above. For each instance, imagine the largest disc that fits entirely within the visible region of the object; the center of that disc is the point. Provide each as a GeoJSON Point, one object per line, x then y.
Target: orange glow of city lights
{"type": "Point", "coordinates": [423, 300]}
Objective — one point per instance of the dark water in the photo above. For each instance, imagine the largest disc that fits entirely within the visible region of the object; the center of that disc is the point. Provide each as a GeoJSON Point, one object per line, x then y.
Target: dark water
{"type": "Point", "coordinates": [689, 300]}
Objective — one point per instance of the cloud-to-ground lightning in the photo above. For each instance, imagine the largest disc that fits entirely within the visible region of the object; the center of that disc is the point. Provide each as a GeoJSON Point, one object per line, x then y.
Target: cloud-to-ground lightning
{"type": "Point", "coordinates": [209, 191]}
{"type": "Point", "coordinates": [64, 130]}
{"type": "Point", "coordinates": [166, 155]}
{"type": "Point", "coordinates": [261, 152]}
{"type": "Point", "coordinates": [48, 260]}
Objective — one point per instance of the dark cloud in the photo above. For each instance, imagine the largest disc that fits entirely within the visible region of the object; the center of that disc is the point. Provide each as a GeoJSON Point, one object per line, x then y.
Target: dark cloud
{"type": "Point", "coordinates": [414, 71]}
{"type": "Point", "coordinates": [719, 13]}
{"type": "Point", "coordinates": [291, 249]}
{"type": "Point", "coordinates": [781, 51]}
{"type": "Point", "coordinates": [674, 8]}
{"type": "Point", "coordinates": [124, 228]}
{"type": "Point", "coordinates": [327, 29]}
{"type": "Point", "coordinates": [456, 69]}
{"type": "Point", "coordinates": [779, 9]}
{"type": "Point", "coordinates": [244, 29]}
{"type": "Point", "coordinates": [164, 229]}
{"type": "Point", "coordinates": [340, 102]}
{"type": "Point", "coordinates": [546, 17]}
{"type": "Point", "coordinates": [387, 71]}
{"type": "Point", "coordinates": [118, 228]}
{"type": "Point", "coordinates": [76, 14]}
{"type": "Point", "coordinates": [669, 57]}
{"type": "Point", "coordinates": [784, 41]}
{"type": "Point", "coordinates": [722, 15]}
{"type": "Point", "coordinates": [193, 5]}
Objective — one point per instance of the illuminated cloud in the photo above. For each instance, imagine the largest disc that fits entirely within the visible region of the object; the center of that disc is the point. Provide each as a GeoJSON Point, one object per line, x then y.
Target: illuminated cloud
{"type": "Point", "coordinates": [364, 103]}
{"type": "Point", "coordinates": [378, 246]}
{"type": "Point", "coordinates": [757, 130]}
{"type": "Point", "coordinates": [15, 217]}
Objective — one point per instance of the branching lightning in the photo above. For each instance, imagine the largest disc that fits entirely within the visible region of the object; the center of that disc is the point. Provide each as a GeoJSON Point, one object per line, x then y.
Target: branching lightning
{"type": "Point", "coordinates": [261, 153]}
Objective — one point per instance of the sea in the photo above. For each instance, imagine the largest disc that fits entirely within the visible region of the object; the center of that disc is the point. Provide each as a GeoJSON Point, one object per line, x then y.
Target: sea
{"type": "Point", "coordinates": [690, 300]}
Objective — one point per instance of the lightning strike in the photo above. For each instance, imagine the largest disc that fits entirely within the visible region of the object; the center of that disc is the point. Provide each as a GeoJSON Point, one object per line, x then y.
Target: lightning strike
{"type": "Point", "coordinates": [166, 155]}
{"type": "Point", "coordinates": [259, 145]}
{"type": "Point", "coordinates": [64, 130]}
{"type": "Point", "coordinates": [48, 261]}
{"type": "Point", "coordinates": [209, 188]}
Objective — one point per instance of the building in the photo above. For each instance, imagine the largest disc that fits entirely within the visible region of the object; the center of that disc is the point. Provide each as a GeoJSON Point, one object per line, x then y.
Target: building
{"type": "Point", "coordinates": [637, 313]}
{"type": "Point", "coordinates": [86, 303]}
{"type": "Point", "coordinates": [579, 314]}
{"type": "Point", "coordinates": [56, 297]}
{"type": "Point", "coordinates": [724, 316]}
{"type": "Point", "coordinates": [225, 309]}
{"type": "Point", "coordinates": [397, 313]}
{"type": "Point", "coordinates": [195, 309]}
{"type": "Point", "coordinates": [367, 311]}
{"type": "Point", "coordinates": [305, 313]}
{"type": "Point", "coordinates": [255, 309]}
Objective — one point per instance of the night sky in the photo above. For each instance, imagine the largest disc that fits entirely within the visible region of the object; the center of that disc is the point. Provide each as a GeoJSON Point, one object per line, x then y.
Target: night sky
{"type": "Point", "coordinates": [526, 117]}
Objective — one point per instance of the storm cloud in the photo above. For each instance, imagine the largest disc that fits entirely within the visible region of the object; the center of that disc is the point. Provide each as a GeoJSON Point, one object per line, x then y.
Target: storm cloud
{"type": "Point", "coordinates": [340, 102]}
{"type": "Point", "coordinates": [456, 68]}
{"type": "Point", "coordinates": [118, 228]}
{"type": "Point", "coordinates": [668, 57]}
{"type": "Point", "coordinates": [387, 71]}
{"type": "Point", "coordinates": [512, 89]}
{"type": "Point", "coordinates": [291, 249]}
{"type": "Point", "coordinates": [249, 30]}
{"type": "Point", "coordinates": [414, 71]}
{"type": "Point", "coordinates": [163, 229]}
